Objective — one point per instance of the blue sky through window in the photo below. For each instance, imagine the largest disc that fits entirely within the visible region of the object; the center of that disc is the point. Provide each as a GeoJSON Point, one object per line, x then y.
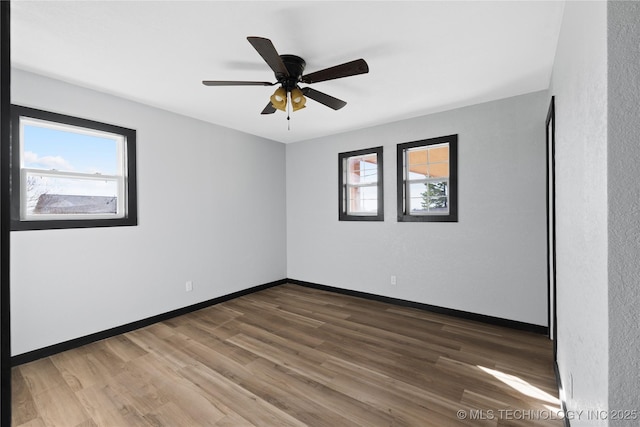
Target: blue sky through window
{"type": "Point", "coordinates": [46, 148]}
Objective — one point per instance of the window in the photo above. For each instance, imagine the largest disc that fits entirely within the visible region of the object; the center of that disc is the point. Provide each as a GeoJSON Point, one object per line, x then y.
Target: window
{"type": "Point", "coordinates": [427, 180]}
{"type": "Point", "coordinates": [69, 172]}
{"type": "Point", "coordinates": [360, 180]}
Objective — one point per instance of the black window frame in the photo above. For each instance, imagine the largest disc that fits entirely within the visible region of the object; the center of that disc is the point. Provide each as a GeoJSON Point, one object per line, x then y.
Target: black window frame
{"type": "Point", "coordinates": [342, 205]}
{"type": "Point", "coordinates": [131, 206]}
{"type": "Point", "coordinates": [452, 216]}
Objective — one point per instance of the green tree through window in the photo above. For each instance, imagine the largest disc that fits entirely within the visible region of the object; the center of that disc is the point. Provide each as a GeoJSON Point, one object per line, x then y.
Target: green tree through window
{"type": "Point", "coordinates": [435, 195]}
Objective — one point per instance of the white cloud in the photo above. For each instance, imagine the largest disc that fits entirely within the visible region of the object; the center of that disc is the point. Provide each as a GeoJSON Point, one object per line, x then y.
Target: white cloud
{"type": "Point", "coordinates": [32, 160]}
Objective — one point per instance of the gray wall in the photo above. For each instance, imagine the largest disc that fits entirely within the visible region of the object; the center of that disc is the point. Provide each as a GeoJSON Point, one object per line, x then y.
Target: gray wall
{"type": "Point", "coordinates": [596, 81]}
{"type": "Point", "coordinates": [624, 206]}
{"type": "Point", "coordinates": [211, 210]}
{"type": "Point", "coordinates": [491, 262]}
{"type": "Point", "coordinates": [579, 83]}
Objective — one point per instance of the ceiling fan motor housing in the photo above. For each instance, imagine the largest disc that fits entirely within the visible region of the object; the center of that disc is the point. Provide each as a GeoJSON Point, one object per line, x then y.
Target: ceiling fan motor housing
{"type": "Point", "coordinates": [295, 66]}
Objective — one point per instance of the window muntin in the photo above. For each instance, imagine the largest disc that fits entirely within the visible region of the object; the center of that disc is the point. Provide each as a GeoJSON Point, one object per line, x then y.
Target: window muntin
{"type": "Point", "coordinates": [361, 185]}
{"type": "Point", "coordinates": [427, 181]}
{"type": "Point", "coordinates": [71, 172]}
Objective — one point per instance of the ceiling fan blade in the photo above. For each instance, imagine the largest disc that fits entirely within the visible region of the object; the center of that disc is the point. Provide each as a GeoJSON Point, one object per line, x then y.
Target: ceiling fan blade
{"type": "Point", "coordinates": [359, 66]}
{"type": "Point", "coordinates": [270, 55]}
{"type": "Point", "coordinates": [269, 109]}
{"type": "Point", "coordinates": [323, 98]}
{"type": "Point", "coordinates": [234, 83]}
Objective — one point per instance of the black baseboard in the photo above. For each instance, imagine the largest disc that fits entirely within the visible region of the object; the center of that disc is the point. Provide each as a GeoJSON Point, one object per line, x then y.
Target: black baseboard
{"type": "Point", "coordinates": [88, 339]}
{"type": "Point", "coordinates": [498, 321]}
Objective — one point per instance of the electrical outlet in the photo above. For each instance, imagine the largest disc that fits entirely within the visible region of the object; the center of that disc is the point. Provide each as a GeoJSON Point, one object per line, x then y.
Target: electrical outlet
{"type": "Point", "coordinates": [188, 286]}
{"type": "Point", "coordinates": [393, 280]}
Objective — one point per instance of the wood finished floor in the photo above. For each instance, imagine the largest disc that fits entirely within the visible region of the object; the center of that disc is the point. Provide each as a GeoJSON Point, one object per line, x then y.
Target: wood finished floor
{"type": "Point", "coordinates": [295, 356]}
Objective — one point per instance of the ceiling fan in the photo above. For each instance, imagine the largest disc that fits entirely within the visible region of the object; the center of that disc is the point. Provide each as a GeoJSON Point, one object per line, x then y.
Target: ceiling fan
{"type": "Point", "coordinates": [288, 70]}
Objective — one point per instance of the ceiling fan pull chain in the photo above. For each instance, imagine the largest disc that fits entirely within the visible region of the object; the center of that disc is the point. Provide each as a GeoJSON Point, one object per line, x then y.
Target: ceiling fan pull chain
{"type": "Point", "coordinates": [289, 111]}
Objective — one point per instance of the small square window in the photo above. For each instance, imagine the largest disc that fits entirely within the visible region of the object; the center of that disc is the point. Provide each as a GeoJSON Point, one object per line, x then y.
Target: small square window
{"type": "Point", "coordinates": [427, 180]}
{"type": "Point", "coordinates": [360, 181]}
{"type": "Point", "coordinates": [69, 172]}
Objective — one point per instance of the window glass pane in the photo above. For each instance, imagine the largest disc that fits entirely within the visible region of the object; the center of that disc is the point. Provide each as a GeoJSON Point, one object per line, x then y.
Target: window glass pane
{"type": "Point", "coordinates": [64, 149]}
{"type": "Point", "coordinates": [417, 163]}
{"type": "Point", "coordinates": [439, 153]}
{"type": "Point", "coordinates": [439, 161]}
{"type": "Point", "coordinates": [417, 156]}
{"type": "Point", "coordinates": [428, 197]}
{"type": "Point", "coordinates": [439, 170]}
{"type": "Point", "coordinates": [420, 173]}
{"type": "Point", "coordinates": [428, 162]}
{"type": "Point", "coordinates": [70, 195]}
{"type": "Point", "coordinates": [438, 204]}
{"type": "Point", "coordinates": [416, 198]}
{"type": "Point", "coordinates": [363, 200]}
{"type": "Point", "coordinates": [362, 169]}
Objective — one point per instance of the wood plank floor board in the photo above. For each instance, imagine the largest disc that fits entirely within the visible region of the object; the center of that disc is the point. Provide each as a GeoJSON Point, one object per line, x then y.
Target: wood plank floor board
{"type": "Point", "coordinates": [141, 392]}
{"type": "Point", "coordinates": [293, 356]}
{"type": "Point", "coordinates": [103, 410]}
{"type": "Point", "coordinates": [289, 391]}
{"type": "Point", "coordinates": [22, 400]}
{"type": "Point", "coordinates": [483, 383]}
{"type": "Point", "coordinates": [296, 344]}
{"type": "Point", "coordinates": [412, 372]}
{"type": "Point", "coordinates": [374, 329]}
{"type": "Point", "coordinates": [219, 344]}
{"type": "Point", "coordinates": [277, 355]}
{"type": "Point", "coordinates": [41, 375]}
{"type": "Point", "coordinates": [302, 335]}
{"type": "Point", "coordinates": [255, 410]}
{"type": "Point", "coordinates": [323, 313]}
{"type": "Point", "coordinates": [123, 348]}
{"type": "Point", "coordinates": [351, 410]}
{"type": "Point", "coordinates": [80, 369]}
{"type": "Point", "coordinates": [308, 297]}
{"type": "Point", "coordinates": [392, 348]}
{"type": "Point", "coordinates": [60, 406]}
{"type": "Point", "coordinates": [159, 347]}
{"type": "Point", "coordinates": [352, 378]}
{"type": "Point", "coordinates": [36, 422]}
{"type": "Point", "coordinates": [164, 388]}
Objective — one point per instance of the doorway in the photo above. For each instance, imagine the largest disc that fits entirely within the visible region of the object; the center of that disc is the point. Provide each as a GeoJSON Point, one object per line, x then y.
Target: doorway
{"type": "Point", "coordinates": [551, 224]}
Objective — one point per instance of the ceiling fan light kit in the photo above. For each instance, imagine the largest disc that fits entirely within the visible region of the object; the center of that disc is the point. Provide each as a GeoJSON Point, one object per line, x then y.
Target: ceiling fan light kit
{"type": "Point", "coordinates": [288, 71]}
{"type": "Point", "coordinates": [297, 99]}
{"type": "Point", "coordinates": [279, 99]}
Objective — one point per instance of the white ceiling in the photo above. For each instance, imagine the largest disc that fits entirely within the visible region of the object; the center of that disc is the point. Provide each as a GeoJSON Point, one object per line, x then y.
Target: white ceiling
{"type": "Point", "coordinates": [423, 56]}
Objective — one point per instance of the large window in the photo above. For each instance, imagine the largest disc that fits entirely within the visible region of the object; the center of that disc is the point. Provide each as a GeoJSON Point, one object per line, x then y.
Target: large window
{"type": "Point", "coordinates": [69, 172]}
{"type": "Point", "coordinates": [360, 180]}
{"type": "Point", "coordinates": [427, 180]}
